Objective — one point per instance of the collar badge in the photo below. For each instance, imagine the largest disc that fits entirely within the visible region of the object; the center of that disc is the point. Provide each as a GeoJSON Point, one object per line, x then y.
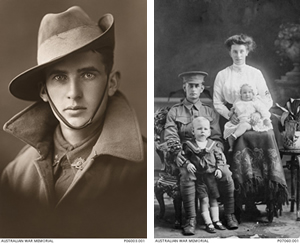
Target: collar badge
{"type": "Point", "coordinates": [78, 163]}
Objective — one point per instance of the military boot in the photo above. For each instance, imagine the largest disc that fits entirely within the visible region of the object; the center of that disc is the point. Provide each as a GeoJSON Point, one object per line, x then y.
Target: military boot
{"type": "Point", "coordinates": [189, 228]}
{"type": "Point", "coordinates": [230, 222]}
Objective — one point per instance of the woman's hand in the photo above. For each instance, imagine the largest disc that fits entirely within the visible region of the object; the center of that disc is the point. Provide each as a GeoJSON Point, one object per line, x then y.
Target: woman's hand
{"type": "Point", "coordinates": [218, 174]}
{"type": "Point", "coordinates": [234, 119]}
{"type": "Point", "coordinates": [191, 168]}
{"type": "Point", "coordinates": [254, 118]}
{"type": "Point", "coordinates": [180, 159]}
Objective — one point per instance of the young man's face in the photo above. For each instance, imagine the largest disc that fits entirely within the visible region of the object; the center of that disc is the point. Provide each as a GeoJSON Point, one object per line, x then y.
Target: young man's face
{"type": "Point", "coordinates": [76, 85]}
{"type": "Point", "coordinates": [201, 130]}
{"type": "Point", "coordinates": [193, 90]}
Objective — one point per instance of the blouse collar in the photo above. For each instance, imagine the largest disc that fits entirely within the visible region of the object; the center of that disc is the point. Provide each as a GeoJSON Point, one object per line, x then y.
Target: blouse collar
{"type": "Point", "coordinates": [238, 68]}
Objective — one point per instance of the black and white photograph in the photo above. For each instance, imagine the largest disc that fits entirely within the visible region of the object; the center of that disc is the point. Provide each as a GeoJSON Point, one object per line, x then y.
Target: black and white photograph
{"type": "Point", "coordinates": [74, 118]}
{"type": "Point", "coordinates": [226, 119]}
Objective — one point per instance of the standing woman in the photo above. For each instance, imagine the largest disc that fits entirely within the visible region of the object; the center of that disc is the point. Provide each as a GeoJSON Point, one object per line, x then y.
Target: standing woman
{"type": "Point", "coordinates": [256, 159]}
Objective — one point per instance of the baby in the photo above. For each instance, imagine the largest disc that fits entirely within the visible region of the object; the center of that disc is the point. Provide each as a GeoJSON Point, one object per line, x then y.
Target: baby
{"type": "Point", "coordinates": [245, 107]}
{"type": "Point", "coordinates": [206, 160]}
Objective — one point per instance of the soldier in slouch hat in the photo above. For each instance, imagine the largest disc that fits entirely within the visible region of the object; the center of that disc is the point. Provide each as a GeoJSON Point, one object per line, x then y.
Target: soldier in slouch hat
{"type": "Point", "coordinates": [85, 159]}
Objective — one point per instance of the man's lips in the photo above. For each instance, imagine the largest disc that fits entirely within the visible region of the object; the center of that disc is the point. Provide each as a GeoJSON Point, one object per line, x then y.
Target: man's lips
{"type": "Point", "coordinates": [74, 108]}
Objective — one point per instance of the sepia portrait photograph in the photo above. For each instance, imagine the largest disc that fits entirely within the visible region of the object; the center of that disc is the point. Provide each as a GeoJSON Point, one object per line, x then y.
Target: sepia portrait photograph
{"type": "Point", "coordinates": [226, 119]}
{"type": "Point", "coordinates": [74, 117]}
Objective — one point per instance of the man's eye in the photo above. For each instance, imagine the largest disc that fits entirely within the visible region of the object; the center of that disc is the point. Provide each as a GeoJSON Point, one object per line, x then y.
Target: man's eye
{"type": "Point", "coordinates": [59, 77]}
{"type": "Point", "coordinates": [88, 75]}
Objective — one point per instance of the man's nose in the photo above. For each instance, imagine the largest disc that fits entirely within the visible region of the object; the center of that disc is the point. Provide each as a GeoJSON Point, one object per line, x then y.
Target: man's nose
{"type": "Point", "coordinates": [74, 89]}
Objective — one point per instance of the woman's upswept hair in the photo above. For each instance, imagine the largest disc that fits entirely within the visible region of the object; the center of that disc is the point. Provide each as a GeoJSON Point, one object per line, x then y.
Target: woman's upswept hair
{"type": "Point", "coordinates": [241, 39]}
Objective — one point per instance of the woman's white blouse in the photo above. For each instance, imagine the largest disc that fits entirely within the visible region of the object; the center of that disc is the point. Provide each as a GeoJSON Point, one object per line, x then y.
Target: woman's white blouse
{"type": "Point", "coordinates": [229, 81]}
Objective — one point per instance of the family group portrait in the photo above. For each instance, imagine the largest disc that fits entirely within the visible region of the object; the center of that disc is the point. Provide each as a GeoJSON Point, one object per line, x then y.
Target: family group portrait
{"type": "Point", "coordinates": [226, 119]}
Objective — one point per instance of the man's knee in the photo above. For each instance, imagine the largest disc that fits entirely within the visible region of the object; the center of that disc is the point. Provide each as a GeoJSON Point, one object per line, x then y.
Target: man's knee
{"type": "Point", "coordinates": [186, 175]}
{"type": "Point", "coordinates": [226, 174]}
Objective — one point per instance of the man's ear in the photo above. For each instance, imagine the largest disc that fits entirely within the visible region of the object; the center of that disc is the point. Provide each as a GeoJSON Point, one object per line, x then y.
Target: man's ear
{"type": "Point", "coordinates": [202, 88]}
{"type": "Point", "coordinates": [183, 87]}
{"type": "Point", "coordinates": [113, 82]}
{"type": "Point", "coordinates": [43, 93]}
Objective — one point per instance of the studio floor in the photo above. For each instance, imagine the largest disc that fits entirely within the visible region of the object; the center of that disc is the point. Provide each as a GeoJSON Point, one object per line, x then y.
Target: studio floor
{"type": "Point", "coordinates": [285, 226]}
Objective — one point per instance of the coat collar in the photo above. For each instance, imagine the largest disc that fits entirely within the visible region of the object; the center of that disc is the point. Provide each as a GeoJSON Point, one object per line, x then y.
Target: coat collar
{"type": "Point", "coordinates": [189, 105]}
{"type": "Point", "coordinates": [120, 137]}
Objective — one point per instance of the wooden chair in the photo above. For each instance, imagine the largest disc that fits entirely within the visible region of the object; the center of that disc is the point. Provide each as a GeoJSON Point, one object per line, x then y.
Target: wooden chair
{"type": "Point", "coordinates": [168, 180]}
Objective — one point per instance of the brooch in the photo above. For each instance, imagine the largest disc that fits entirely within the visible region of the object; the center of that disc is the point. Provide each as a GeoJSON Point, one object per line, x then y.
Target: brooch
{"type": "Point", "coordinates": [78, 163]}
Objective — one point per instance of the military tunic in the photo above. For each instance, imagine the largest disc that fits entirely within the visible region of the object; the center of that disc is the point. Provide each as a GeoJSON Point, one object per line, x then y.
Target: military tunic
{"type": "Point", "coordinates": [179, 127]}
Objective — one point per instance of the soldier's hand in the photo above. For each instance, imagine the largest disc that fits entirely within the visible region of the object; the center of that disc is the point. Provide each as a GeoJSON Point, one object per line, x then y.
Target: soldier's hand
{"type": "Point", "coordinates": [180, 159]}
{"type": "Point", "coordinates": [191, 168]}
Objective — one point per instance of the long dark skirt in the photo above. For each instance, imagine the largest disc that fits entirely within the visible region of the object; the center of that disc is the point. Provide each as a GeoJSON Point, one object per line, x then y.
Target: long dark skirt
{"type": "Point", "coordinates": [257, 168]}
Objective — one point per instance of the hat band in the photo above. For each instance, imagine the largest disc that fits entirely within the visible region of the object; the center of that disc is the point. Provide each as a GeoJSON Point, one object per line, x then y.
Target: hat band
{"type": "Point", "coordinates": [60, 45]}
{"type": "Point", "coordinates": [191, 80]}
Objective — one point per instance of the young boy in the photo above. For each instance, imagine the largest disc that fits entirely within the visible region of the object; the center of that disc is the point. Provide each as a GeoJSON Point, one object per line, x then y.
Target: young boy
{"type": "Point", "coordinates": [206, 161]}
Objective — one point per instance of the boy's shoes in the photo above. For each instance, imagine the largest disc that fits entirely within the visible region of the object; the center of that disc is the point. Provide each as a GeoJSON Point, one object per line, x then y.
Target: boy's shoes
{"type": "Point", "coordinates": [210, 228]}
{"type": "Point", "coordinates": [231, 222]}
{"type": "Point", "coordinates": [189, 228]}
{"type": "Point", "coordinates": [218, 225]}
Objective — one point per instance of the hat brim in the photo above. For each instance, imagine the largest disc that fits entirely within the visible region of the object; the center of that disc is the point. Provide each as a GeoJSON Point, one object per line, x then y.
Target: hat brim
{"type": "Point", "coordinates": [25, 86]}
{"type": "Point", "coordinates": [192, 73]}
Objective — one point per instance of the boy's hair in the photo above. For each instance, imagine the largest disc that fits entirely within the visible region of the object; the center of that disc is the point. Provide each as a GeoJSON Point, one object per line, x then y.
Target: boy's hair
{"type": "Point", "coordinates": [199, 119]}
